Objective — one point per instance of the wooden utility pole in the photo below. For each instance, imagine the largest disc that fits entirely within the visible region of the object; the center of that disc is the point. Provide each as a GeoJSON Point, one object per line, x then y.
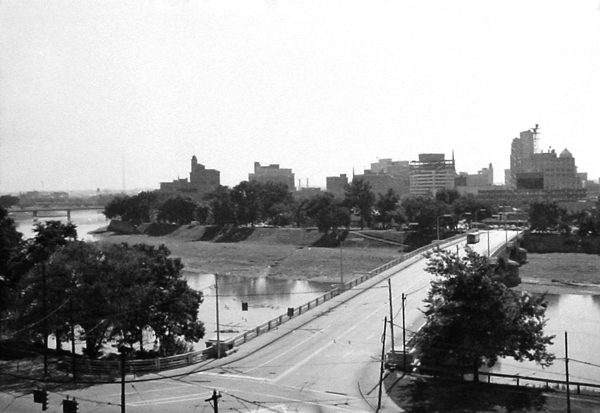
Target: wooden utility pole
{"type": "Point", "coordinates": [382, 362]}
{"type": "Point", "coordinates": [215, 399]}
{"type": "Point", "coordinates": [218, 327]}
{"type": "Point", "coordinates": [391, 319]}
{"type": "Point", "coordinates": [567, 373]}
{"type": "Point", "coordinates": [404, 328]}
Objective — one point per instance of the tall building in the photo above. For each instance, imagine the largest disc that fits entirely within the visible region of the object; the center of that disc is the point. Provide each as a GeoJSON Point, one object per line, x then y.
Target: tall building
{"type": "Point", "coordinates": [522, 148]}
{"type": "Point", "coordinates": [559, 172]}
{"type": "Point", "coordinates": [201, 182]}
{"type": "Point", "coordinates": [273, 173]}
{"type": "Point", "coordinates": [431, 173]}
{"type": "Point", "coordinates": [532, 169]}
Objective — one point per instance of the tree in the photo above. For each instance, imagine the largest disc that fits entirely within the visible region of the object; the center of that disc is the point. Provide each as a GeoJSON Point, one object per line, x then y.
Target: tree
{"type": "Point", "coordinates": [177, 210]}
{"type": "Point", "coordinates": [246, 200]}
{"type": "Point", "coordinates": [328, 213]}
{"type": "Point", "coordinates": [587, 222]}
{"type": "Point", "coordinates": [277, 203]}
{"type": "Point", "coordinates": [359, 196]}
{"type": "Point", "coordinates": [386, 206]}
{"type": "Point", "coordinates": [113, 291]}
{"type": "Point", "coordinates": [473, 318]}
{"type": "Point", "coordinates": [221, 206]}
{"type": "Point", "coordinates": [424, 211]}
{"type": "Point", "coordinates": [447, 195]}
{"type": "Point", "coordinates": [545, 215]}
{"type": "Point", "coordinates": [135, 209]}
{"type": "Point", "coordinates": [7, 201]}
{"type": "Point", "coordinates": [11, 244]}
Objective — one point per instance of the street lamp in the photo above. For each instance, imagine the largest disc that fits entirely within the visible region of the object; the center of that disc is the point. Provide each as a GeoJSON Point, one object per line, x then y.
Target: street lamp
{"type": "Point", "coordinates": [438, 223]}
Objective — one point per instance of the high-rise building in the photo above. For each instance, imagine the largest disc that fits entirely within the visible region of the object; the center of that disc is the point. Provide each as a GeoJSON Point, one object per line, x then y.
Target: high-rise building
{"type": "Point", "coordinates": [431, 173]}
{"type": "Point", "coordinates": [528, 166]}
{"type": "Point", "coordinates": [273, 173]}
{"type": "Point", "coordinates": [522, 148]}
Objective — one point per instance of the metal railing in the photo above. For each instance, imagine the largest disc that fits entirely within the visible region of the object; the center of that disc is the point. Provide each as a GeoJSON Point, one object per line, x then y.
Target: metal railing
{"type": "Point", "coordinates": [183, 360]}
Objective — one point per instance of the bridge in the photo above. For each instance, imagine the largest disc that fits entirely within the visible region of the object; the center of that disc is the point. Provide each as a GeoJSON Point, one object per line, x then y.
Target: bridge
{"type": "Point", "coordinates": [35, 211]}
{"type": "Point", "coordinates": [324, 356]}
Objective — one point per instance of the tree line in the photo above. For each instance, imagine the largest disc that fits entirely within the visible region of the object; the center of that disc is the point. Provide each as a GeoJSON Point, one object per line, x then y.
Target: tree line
{"type": "Point", "coordinates": [100, 293]}
{"type": "Point", "coordinates": [252, 203]}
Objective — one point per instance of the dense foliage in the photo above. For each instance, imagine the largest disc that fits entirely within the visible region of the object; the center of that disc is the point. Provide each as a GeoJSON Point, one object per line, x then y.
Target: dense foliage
{"type": "Point", "coordinates": [473, 318]}
{"type": "Point", "coordinates": [111, 292]}
{"type": "Point", "coordinates": [544, 216]}
{"type": "Point", "coordinates": [136, 209]}
{"type": "Point", "coordinates": [250, 203]}
{"type": "Point", "coordinates": [328, 212]}
{"type": "Point", "coordinates": [359, 197]}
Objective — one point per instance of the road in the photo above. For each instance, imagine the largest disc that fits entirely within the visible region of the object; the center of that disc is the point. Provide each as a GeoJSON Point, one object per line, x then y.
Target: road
{"type": "Point", "coordinates": [326, 360]}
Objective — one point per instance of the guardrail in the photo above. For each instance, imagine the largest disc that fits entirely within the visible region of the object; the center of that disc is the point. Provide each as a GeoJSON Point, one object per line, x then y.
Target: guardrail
{"type": "Point", "coordinates": [183, 360]}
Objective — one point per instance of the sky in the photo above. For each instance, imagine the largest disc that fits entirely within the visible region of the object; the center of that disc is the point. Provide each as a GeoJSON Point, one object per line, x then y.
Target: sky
{"type": "Point", "coordinates": [120, 94]}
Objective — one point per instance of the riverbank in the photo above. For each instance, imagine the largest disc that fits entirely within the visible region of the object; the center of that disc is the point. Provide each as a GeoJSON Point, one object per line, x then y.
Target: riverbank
{"type": "Point", "coordinates": [561, 273]}
{"type": "Point", "coordinates": [288, 253]}
{"type": "Point", "coordinates": [270, 252]}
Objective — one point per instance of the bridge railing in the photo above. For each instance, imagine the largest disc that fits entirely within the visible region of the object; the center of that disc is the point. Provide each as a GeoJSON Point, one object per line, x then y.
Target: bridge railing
{"type": "Point", "coordinates": [183, 360]}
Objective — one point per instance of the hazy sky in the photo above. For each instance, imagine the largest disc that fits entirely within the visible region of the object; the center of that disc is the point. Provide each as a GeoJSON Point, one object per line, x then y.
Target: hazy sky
{"type": "Point", "coordinates": [322, 87]}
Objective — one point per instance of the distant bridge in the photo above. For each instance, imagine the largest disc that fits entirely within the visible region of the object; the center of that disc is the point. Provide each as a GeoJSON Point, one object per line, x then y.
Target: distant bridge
{"type": "Point", "coordinates": [67, 209]}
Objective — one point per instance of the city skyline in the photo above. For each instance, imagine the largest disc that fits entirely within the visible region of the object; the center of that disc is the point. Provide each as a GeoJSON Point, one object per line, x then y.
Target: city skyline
{"type": "Point", "coordinates": [91, 93]}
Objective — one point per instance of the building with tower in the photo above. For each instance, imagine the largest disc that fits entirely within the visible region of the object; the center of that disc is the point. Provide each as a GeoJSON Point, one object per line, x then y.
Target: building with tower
{"type": "Point", "coordinates": [532, 169]}
{"type": "Point", "coordinates": [201, 182]}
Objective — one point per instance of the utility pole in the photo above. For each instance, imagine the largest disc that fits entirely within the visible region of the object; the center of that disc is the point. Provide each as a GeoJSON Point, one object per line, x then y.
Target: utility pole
{"type": "Point", "coordinates": [567, 373]}
{"type": "Point", "coordinates": [404, 328]}
{"type": "Point", "coordinates": [122, 381]}
{"type": "Point", "coordinates": [45, 309]}
{"type": "Point", "coordinates": [218, 327]}
{"type": "Point", "coordinates": [215, 399]}
{"type": "Point", "coordinates": [391, 319]}
{"type": "Point", "coordinates": [341, 265]}
{"type": "Point", "coordinates": [382, 361]}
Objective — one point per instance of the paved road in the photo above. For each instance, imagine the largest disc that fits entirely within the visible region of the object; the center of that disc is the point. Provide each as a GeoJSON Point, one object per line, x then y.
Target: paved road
{"type": "Point", "coordinates": [326, 360]}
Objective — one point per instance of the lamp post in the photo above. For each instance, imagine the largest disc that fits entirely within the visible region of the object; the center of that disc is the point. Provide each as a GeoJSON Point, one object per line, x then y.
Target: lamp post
{"type": "Point", "coordinates": [438, 223]}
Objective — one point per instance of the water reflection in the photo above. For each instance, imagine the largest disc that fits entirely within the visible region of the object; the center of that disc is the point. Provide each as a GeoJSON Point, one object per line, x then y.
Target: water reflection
{"type": "Point", "coordinates": [85, 220]}
{"type": "Point", "coordinates": [267, 298]}
{"type": "Point", "coordinates": [579, 316]}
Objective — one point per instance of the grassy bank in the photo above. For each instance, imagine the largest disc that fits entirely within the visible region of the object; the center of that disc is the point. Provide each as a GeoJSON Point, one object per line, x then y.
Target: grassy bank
{"type": "Point", "coordinates": [270, 252]}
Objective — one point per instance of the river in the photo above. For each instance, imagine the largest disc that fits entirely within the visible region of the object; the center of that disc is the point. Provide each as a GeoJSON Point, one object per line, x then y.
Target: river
{"type": "Point", "coordinates": [578, 315]}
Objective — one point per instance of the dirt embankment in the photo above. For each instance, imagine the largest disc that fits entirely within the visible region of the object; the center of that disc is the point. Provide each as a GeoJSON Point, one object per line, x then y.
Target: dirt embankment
{"type": "Point", "coordinates": [290, 253]}
{"type": "Point", "coordinates": [268, 252]}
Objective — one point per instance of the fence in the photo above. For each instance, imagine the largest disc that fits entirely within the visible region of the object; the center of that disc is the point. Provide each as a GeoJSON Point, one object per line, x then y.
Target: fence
{"type": "Point", "coordinates": [512, 379]}
{"type": "Point", "coordinates": [183, 360]}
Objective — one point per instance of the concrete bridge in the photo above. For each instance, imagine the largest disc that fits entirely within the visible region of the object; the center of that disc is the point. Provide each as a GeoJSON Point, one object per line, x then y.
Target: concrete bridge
{"type": "Point", "coordinates": [508, 257]}
{"type": "Point", "coordinates": [35, 211]}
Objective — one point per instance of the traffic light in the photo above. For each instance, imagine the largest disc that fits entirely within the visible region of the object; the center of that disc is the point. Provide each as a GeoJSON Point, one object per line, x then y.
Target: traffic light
{"type": "Point", "coordinates": [70, 406]}
{"type": "Point", "coordinates": [41, 396]}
